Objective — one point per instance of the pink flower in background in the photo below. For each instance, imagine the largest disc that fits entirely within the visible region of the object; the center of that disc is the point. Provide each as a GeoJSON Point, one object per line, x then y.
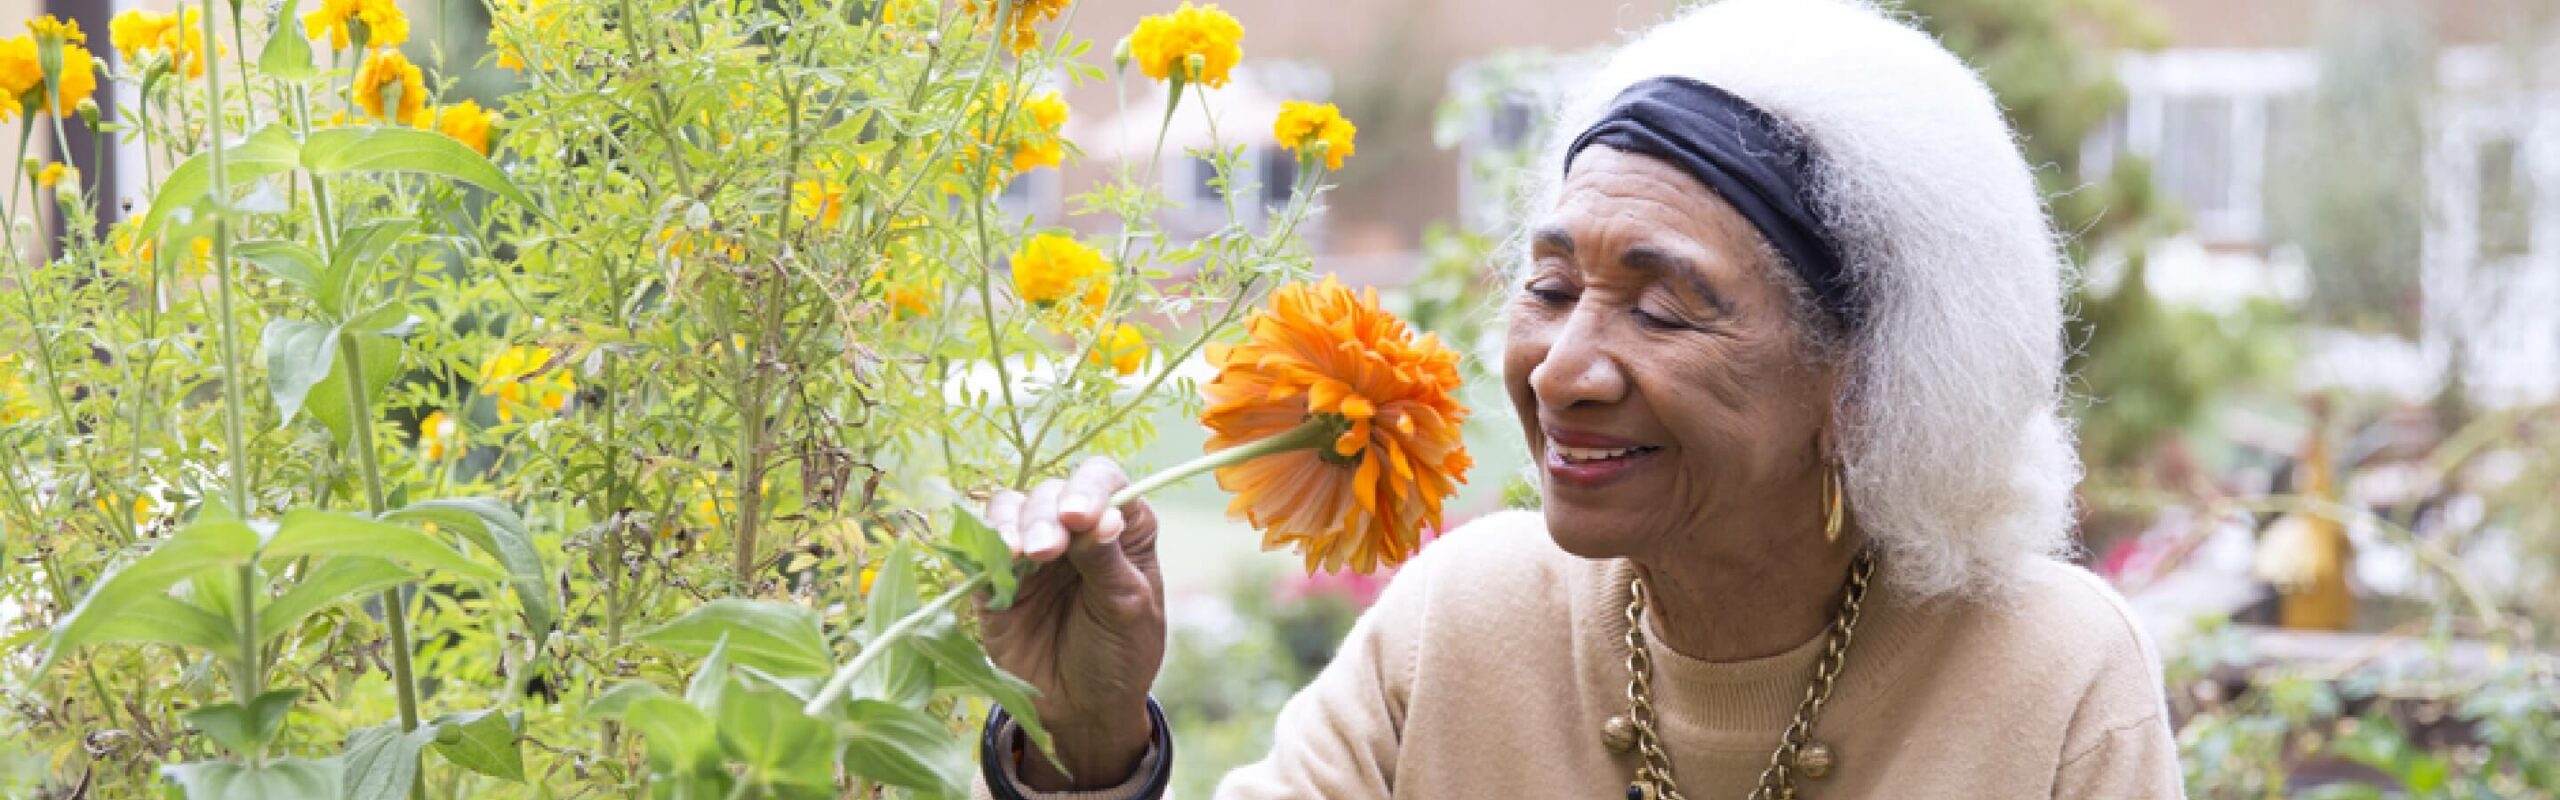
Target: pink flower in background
{"type": "Point", "coordinates": [1360, 589]}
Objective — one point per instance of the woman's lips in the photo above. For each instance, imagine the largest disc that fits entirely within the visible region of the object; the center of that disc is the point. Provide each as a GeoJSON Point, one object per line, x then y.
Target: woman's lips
{"type": "Point", "coordinates": [1592, 468]}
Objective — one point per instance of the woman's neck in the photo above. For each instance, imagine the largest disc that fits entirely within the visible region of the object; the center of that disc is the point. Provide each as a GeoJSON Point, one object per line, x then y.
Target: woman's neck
{"type": "Point", "coordinates": [1718, 606]}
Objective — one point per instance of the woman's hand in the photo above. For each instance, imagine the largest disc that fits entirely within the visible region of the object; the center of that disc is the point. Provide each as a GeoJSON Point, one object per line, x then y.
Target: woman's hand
{"type": "Point", "coordinates": [1088, 633]}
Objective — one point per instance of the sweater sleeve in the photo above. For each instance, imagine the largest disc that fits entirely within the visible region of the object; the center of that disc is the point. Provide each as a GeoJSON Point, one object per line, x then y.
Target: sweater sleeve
{"type": "Point", "coordinates": [2135, 761]}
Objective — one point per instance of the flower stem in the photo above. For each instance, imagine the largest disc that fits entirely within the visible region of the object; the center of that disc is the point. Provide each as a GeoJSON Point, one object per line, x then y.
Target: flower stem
{"type": "Point", "coordinates": [1311, 434]}
{"type": "Point", "coordinates": [905, 626]}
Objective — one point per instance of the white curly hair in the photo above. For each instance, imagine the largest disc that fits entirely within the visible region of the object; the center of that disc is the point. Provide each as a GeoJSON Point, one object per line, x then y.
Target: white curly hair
{"type": "Point", "coordinates": [1956, 458]}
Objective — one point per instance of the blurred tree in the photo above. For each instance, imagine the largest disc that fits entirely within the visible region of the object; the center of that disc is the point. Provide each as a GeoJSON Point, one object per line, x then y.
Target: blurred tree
{"type": "Point", "coordinates": [2349, 185]}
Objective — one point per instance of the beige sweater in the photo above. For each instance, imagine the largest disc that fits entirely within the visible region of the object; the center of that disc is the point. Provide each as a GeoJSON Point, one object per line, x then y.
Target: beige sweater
{"type": "Point", "coordinates": [1489, 665]}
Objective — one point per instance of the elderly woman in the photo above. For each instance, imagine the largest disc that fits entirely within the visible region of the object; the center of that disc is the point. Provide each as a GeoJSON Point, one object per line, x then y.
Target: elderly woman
{"type": "Point", "coordinates": [1787, 349]}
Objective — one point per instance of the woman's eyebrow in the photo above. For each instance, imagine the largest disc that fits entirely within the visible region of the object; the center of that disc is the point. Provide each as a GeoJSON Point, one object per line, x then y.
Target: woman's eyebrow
{"type": "Point", "coordinates": [1553, 238]}
{"type": "Point", "coordinates": [1657, 260]}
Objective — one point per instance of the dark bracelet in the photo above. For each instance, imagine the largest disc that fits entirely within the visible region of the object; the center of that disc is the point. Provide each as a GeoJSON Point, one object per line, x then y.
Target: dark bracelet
{"type": "Point", "coordinates": [992, 753]}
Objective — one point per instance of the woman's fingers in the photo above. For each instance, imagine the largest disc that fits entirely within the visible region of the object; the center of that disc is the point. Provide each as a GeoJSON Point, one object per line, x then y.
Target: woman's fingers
{"type": "Point", "coordinates": [1043, 539]}
{"type": "Point", "coordinates": [1004, 511]}
{"type": "Point", "coordinates": [1088, 491]}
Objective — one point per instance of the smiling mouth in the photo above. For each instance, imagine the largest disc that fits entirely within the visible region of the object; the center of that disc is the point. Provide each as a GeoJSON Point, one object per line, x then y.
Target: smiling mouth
{"type": "Point", "coordinates": [1593, 455]}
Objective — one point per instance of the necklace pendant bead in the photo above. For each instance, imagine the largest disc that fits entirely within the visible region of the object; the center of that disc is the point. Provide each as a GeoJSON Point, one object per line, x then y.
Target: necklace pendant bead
{"type": "Point", "coordinates": [1642, 791]}
{"type": "Point", "coordinates": [1814, 760]}
{"type": "Point", "coordinates": [1619, 733]}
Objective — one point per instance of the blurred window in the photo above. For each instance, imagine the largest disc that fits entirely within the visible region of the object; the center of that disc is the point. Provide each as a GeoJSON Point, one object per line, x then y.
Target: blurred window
{"type": "Point", "coordinates": [2506, 201]}
{"type": "Point", "coordinates": [1279, 176]}
{"type": "Point", "coordinates": [2197, 144]}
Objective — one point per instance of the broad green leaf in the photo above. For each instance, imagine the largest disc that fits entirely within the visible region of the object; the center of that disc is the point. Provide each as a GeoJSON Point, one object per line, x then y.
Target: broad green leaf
{"type": "Point", "coordinates": [163, 619]}
{"type": "Point", "coordinates": [309, 532]}
{"type": "Point", "coordinates": [267, 151]}
{"type": "Point", "coordinates": [898, 745]}
{"type": "Point", "coordinates": [341, 151]}
{"type": "Point", "coordinates": [761, 726]}
{"type": "Point", "coordinates": [328, 400]}
{"type": "Point", "coordinates": [277, 779]}
{"type": "Point", "coordinates": [982, 551]}
{"type": "Point", "coordinates": [351, 265]}
{"type": "Point", "coordinates": [899, 676]}
{"type": "Point", "coordinates": [336, 579]}
{"type": "Point", "coordinates": [494, 528]}
{"type": "Point", "coordinates": [959, 661]}
{"type": "Point", "coordinates": [779, 638]}
{"type": "Point", "coordinates": [704, 690]}
{"type": "Point", "coordinates": [381, 761]}
{"type": "Point", "coordinates": [242, 730]}
{"type": "Point", "coordinates": [482, 741]}
{"type": "Point", "coordinates": [298, 355]}
{"type": "Point", "coordinates": [291, 261]}
{"type": "Point", "coordinates": [215, 541]}
{"type": "Point", "coordinates": [287, 55]}
{"type": "Point", "coordinates": [679, 736]}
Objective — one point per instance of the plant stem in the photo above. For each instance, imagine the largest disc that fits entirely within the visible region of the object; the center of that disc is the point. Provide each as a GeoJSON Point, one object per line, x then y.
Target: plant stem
{"type": "Point", "coordinates": [1311, 434]}
{"type": "Point", "coordinates": [905, 626]}
{"type": "Point", "coordinates": [395, 612]}
{"type": "Point", "coordinates": [248, 673]}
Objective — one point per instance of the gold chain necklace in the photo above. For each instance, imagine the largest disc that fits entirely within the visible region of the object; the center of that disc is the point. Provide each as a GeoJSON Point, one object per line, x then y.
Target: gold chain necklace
{"type": "Point", "coordinates": [1797, 751]}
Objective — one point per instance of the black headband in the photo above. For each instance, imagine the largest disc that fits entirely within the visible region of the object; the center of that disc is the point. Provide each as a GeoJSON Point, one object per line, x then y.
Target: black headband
{"type": "Point", "coordinates": [1744, 156]}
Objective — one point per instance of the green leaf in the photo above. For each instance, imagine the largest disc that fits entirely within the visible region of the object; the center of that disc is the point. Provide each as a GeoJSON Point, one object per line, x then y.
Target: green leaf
{"type": "Point", "coordinates": [982, 551]}
{"type": "Point", "coordinates": [679, 736]}
{"type": "Point", "coordinates": [328, 400]}
{"type": "Point", "coordinates": [291, 261]}
{"type": "Point", "coordinates": [163, 619]}
{"type": "Point", "coordinates": [277, 779]}
{"type": "Point", "coordinates": [298, 354]}
{"type": "Point", "coordinates": [898, 745]}
{"type": "Point", "coordinates": [481, 741]}
{"type": "Point", "coordinates": [959, 660]}
{"type": "Point", "coordinates": [779, 638]}
{"type": "Point", "coordinates": [761, 725]}
{"type": "Point", "coordinates": [267, 151]}
{"type": "Point", "coordinates": [287, 55]}
{"type": "Point", "coordinates": [340, 151]}
{"type": "Point", "coordinates": [309, 532]}
{"type": "Point", "coordinates": [351, 265]}
{"type": "Point", "coordinates": [704, 690]}
{"type": "Point", "coordinates": [332, 581]}
{"type": "Point", "coordinates": [899, 676]}
{"type": "Point", "coordinates": [382, 761]}
{"type": "Point", "coordinates": [215, 541]}
{"type": "Point", "coordinates": [244, 730]}
{"type": "Point", "coordinates": [489, 525]}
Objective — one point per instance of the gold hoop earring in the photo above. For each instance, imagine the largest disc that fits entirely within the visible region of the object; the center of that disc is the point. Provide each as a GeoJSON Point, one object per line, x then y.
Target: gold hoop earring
{"type": "Point", "coordinates": [1832, 512]}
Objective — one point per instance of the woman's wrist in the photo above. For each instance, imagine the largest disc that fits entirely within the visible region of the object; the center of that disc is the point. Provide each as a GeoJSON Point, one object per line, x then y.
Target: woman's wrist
{"type": "Point", "coordinates": [1097, 757]}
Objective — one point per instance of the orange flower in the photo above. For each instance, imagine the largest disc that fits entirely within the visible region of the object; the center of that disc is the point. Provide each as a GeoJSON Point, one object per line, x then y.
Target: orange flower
{"type": "Point", "coordinates": [1357, 415]}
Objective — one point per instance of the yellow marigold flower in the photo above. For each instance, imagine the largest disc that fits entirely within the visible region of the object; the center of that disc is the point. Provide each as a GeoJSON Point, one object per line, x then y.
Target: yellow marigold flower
{"type": "Point", "coordinates": [521, 374]}
{"type": "Point", "coordinates": [438, 436]}
{"type": "Point", "coordinates": [49, 29]}
{"type": "Point", "coordinates": [1163, 44]}
{"type": "Point", "coordinates": [1020, 33]}
{"type": "Point", "coordinates": [21, 76]}
{"type": "Point", "coordinates": [382, 23]}
{"type": "Point", "coordinates": [17, 402]}
{"type": "Point", "coordinates": [137, 30]}
{"type": "Point", "coordinates": [51, 175]}
{"type": "Point", "coordinates": [821, 200]}
{"type": "Point", "coordinates": [1369, 411]}
{"type": "Point", "coordinates": [467, 123]}
{"type": "Point", "coordinates": [1124, 348]}
{"type": "Point", "coordinates": [1044, 147]}
{"type": "Point", "coordinates": [1304, 125]}
{"type": "Point", "coordinates": [384, 71]}
{"type": "Point", "coordinates": [1051, 268]}
{"type": "Point", "coordinates": [914, 300]}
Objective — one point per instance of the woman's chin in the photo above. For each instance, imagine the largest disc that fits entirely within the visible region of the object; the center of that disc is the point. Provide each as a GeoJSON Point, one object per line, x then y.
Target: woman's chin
{"type": "Point", "coordinates": [1590, 533]}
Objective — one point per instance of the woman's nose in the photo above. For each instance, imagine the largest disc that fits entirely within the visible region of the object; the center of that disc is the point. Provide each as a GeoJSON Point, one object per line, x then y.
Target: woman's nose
{"type": "Point", "coordinates": [1578, 367]}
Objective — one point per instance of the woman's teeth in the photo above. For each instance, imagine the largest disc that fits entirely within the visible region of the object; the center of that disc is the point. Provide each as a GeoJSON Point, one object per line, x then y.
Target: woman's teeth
{"type": "Point", "coordinates": [1586, 454]}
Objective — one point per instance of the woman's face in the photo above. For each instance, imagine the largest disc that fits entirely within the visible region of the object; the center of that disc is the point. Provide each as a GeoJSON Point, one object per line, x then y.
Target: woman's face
{"type": "Point", "coordinates": [1665, 393]}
